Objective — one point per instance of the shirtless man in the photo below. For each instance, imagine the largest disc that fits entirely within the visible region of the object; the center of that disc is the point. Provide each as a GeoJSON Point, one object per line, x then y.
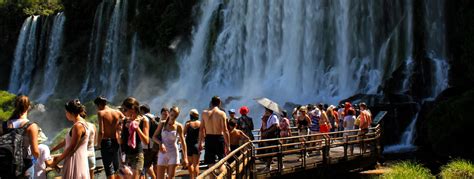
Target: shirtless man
{"type": "Point", "coordinates": [109, 127]}
{"type": "Point", "coordinates": [215, 133]}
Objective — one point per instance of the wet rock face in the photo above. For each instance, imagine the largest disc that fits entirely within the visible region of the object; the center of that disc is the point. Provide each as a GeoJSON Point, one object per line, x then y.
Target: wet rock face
{"type": "Point", "coordinates": [444, 125]}
{"type": "Point", "coordinates": [401, 109]}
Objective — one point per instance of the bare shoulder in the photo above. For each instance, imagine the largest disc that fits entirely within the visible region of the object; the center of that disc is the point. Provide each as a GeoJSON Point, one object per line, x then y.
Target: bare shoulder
{"type": "Point", "coordinates": [179, 126]}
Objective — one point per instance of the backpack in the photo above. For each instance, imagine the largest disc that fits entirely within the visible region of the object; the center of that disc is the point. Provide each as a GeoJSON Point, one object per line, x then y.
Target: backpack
{"type": "Point", "coordinates": [153, 125]}
{"type": "Point", "coordinates": [12, 161]}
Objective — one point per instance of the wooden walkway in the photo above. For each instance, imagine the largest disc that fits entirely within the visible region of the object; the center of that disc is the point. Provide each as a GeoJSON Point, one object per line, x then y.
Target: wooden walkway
{"type": "Point", "coordinates": [295, 154]}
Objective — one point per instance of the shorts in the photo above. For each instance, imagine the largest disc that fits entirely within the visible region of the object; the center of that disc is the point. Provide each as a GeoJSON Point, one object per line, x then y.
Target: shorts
{"type": "Point", "coordinates": [214, 148]}
{"type": "Point", "coordinates": [168, 158]}
{"type": "Point", "coordinates": [151, 158]}
{"type": "Point", "coordinates": [323, 128]}
{"type": "Point", "coordinates": [110, 156]}
{"type": "Point", "coordinates": [135, 161]}
{"type": "Point", "coordinates": [192, 149]}
{"type": "Point", "coordinates": [91, 158]}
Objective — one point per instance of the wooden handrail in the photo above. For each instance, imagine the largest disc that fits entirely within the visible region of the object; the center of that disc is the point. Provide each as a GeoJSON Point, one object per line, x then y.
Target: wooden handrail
{"type": "Point", "coordinates": [278, 147]}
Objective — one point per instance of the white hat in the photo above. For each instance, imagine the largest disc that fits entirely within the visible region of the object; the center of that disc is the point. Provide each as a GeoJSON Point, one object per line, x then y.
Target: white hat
{"type": "Point", "coordinates": [194, 111]}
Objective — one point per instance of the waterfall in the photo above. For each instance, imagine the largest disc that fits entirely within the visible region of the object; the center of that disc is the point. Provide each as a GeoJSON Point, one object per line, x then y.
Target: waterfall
{"type": "Point", "coordinates": [94, 53]}
{"type": "Point", "coordinates": [193, 64]}
{"type": "Point", "coordinates": [406, 143]}
{"type": "Point", "coordinates": [106, 79]}
{"type": "Point", "coordinates": [133, 66]}
{"type": "Point", "coordinates": [51, 73]}
{"type": "Point", "coordinates": [435, 43]}
{"type": "Point", "coordinates": [25, 57]}
{"type": "Point", "coordinates": [290, 51]}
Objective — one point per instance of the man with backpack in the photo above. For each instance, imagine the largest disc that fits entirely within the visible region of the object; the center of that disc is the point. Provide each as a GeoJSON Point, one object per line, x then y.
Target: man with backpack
{"type": "Point", "coordinates": [149, 154]}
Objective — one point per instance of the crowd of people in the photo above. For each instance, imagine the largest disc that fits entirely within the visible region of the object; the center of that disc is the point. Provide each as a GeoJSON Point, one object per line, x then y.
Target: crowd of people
{"type": "Point", "coordinates": [134, 143]}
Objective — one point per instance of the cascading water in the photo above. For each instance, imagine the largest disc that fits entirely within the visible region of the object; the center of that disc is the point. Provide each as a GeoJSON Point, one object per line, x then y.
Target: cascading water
{"type": "Point", "coordinates": [24, 58]}
{"type": "Point", "coordinates": [106, 56]}
{"type": "Point", "coordinates": [436, 51]}
{"type": "Point", "coordinates": [51, 73]}
{"type": "Point", "coordinates": [290, 51]}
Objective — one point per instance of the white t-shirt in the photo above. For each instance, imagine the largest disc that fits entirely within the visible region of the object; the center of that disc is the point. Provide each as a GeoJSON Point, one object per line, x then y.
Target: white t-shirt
{"type": "Point", "coordinates": [40, 165]}
{"type": "Point", "coordinates": [349, 120]}
{"type": "Point", "coordinates": [273, 119]}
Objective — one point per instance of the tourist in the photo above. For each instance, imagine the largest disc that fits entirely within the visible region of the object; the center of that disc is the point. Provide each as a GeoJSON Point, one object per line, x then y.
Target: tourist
{"type": "Point", "coordinates": [315, 115]}
{"type": "Point", "coordinates": [165, 113]}
{"type": "Point", "coordinates": [75, 154]}
{"type": "Point", "coordinates": [149, 154]}
{"type": "Point", "coordinates": [245, 123]}
{"type": "Point", "coordinates": [303, 121]}
{"type": "Point", "coordinates": [324, 124]}
{"type": "Point", "coordinates": [168, 156]}
{"type": "Point", "coordinates": [236, 136]}
{"type": "Point", "coordinates": [214, 132]}
{"type": "Point", "coordinates": [270, 131]}
{"type": "Point", "coordinates": [285, 130]}
{"type": "Point", "coordinates": [332, 117]}
{"type": "Point", "coordinates": [340, 115]}
{"type": "Point", "coordinates": [191, 130]}
{"type": "Point", "coordinates": [19, 120]}
{"type": "Point", "coordinates": [108, 136]}
{"type": "Point", "coordinates": [349, 120]}
{"type": "Point", "coordinates": [44, 158]}
{"type": "Point", "coordinates": [91, 149]}
{"type": "Point", "coordinates": [365, 121]}
{"type": "Point", "coordinates": [134, 133]}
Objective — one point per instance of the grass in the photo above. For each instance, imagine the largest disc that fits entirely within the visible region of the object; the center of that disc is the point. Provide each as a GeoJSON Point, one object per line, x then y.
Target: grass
{"type": "Point", "coordinates": [6, 105]}
{"type": "Point", "coordinates": [458, 168]}
{"type": "Point", "coordinates": [407, 169]}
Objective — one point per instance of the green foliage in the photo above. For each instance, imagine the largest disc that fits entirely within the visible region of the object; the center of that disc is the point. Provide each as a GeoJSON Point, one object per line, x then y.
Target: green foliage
{"type": "Point", "coordinates": [407, 169]}
{"type": "Point", "coordinates": [44, 9]}
{"type": "Point", "coordinates": [458, 168]}
{"type": "Point", "coordinates": [6, 105]}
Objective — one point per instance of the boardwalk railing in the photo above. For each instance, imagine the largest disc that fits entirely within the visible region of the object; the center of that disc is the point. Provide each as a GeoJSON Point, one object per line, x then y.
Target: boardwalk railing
{"type": "Point", "coordinates": [234, 165]}
{"type": "Point", "coordinates": [327, 147]}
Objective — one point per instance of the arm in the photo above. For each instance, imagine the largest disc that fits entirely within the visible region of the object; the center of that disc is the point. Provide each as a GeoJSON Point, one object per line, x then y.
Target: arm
{"type": "Point", "coordinates": [185, 128]}
{"type": "Point", "coordinates": [77, 132]}
{"type": "Point", "coordinates": [118, 127]}
{"type": "Point", "coordinates": [202, 130]}
{"type": "Point", "coordinates": [59, 146]}
{"type": "Point", "coordinates": [308, 120]}
{"type": "Point", "coordinates": [225, 132]}
{"type": "Point", "coordinates": [183, 144]}
{"type": "Point", "coordinates": [157, 133]}
{"type": "Point", "coordinates": [33, 134]}
{"type": "Point", "coordinates": [100, 133]}
{"type": "Point", "coordinates": [144, 134]}
{"type": "Point", "coordinates": [247, 138]}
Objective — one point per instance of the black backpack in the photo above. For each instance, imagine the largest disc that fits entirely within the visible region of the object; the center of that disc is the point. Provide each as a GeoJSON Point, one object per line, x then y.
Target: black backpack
{"type": "Point", "coordinates": [12, 161]}
{"type": "Point", "coordinates": [153, 125]}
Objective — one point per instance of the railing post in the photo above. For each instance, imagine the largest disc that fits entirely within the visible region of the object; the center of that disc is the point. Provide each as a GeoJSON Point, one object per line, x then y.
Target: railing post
{"type": "Point", "coordinates": [280, 156]}
{"type": "Point", "coordinates": [303, 154]}
{"type": "Point", "coordinates": [254, 167]}
{"type": "Point", "coordinates": [346, 146]}
{"type": "Point", "coordinates": [237, 166]}
{"type": "Point", "coordinates": [325, 149]}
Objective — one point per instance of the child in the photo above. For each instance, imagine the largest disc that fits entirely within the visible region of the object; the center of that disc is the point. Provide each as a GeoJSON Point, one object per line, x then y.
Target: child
{"type": "Point", "coordinates": [44, 159]}
{"type": "Point", "coordinates": [236, 136]}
